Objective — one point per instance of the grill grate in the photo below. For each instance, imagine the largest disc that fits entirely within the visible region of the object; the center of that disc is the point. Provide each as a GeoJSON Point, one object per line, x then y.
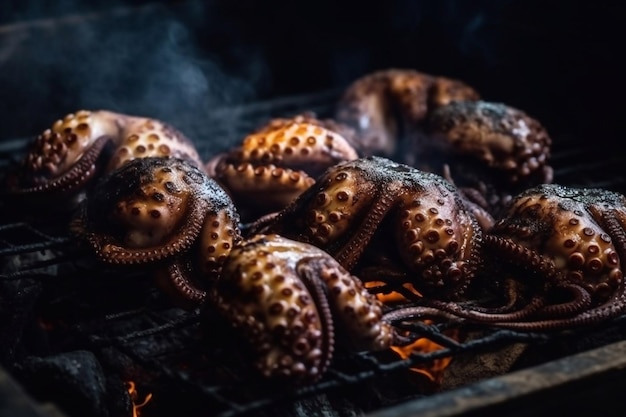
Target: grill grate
{"type": "Point", "coordinates": [176, 354]}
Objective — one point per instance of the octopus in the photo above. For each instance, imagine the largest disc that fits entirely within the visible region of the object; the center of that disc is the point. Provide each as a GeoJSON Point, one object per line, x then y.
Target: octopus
{"type": "Point", "coordinates": [560, 250]}
{"type": "Point", "coordinates": [293, 302]}
{"type": "Point", "coordinates": [66, 158]}
{"type": "Point", "coordinates": [277, 162]}
{"type": "Point", "coordinates": [165, 214]}
{"type": "Point", "coordinates": [359, 210]}
{"type": "Point", "coordinates": [490, 146]}
{"type": "Point", "coordinates": [387, 105]}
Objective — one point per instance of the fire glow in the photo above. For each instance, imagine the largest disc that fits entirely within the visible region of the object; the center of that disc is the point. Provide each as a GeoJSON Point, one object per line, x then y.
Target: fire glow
{"type": "Point", "coordinates": [134, 397]}
{"type": "Point", "coordinates": [434, 370]}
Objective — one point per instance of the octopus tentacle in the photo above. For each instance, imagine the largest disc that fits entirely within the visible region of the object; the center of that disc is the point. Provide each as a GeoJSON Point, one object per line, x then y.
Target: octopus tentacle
{"type": "Point", "coordinates": [352, 250]}
{"type": "Point", "coordinates": [614, 307]}
{"type": "Point", "coordinates": [517, 254]}
{"type": "Point", "coordinates": [614, 221]}
{"type": "Point", "coordinates": [143, 137]}
{"type": "Point", "coordinates": [530, 309]}
{"type": "Point", "coordinates": [580, 302]}
{"type": "Point", "coordinates": [358, 311]}
{"type": "Point", "coordinates": [419, 312]}
{"type": "Point", "coordinates": [522, 256]}
{"type": "Point", "coordinates": [319, 293]}
{"type": "Point", "coordinates": [109, 250]}
{"type": "Point", "coordinates": [270, 187]}
{"type": "Point", "coordinates": [454, 311]}
{"type": "Point", "coordinates": [177, 278]}
{"type": "Point", "coordinates": [76, 176]}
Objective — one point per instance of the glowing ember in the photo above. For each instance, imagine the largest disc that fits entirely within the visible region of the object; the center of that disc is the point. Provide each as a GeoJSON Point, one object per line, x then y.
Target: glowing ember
{"type": "Point", "coordinates": [393, 297]}
{"type": "Point", "coordinates": [434, 371]}
{"type": "Point", "coordinates": [132, 391]}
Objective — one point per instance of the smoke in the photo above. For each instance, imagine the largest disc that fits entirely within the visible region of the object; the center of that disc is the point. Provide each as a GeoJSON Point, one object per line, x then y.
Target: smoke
{"type": "Point", "coordinates": [144, 61]}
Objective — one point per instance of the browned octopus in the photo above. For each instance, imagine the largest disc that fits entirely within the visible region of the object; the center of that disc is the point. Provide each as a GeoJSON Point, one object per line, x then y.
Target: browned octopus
{"type": "Point", "coordinates": [491, 151]}
{"type": "Point", "coordinates": [374, 209]}
{"type": "Point", "coordinates": [294, 302]}
{"type": "Point", "coordinates": [278, 161]}
{"type": "Point", "coordinates": [67, 157]}
{"type": "Point", "coordinates": [386, 105]}
{"type": "Point", "coordinates": [161, 213]}
{"type": "Point", "coordinates": [559, 253]}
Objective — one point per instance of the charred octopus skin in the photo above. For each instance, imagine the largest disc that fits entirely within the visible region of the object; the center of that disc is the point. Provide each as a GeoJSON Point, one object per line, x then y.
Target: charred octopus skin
{"type": "Point", "coordinates": [574, 239]}
{"type": "Point", "coordinates": [164, 212]}
{"type": "Point", "coordinates": [435, 233]}
{"type": "Point", "coordinates": [278, 162]}
{"type": "Point", "coordinates": [382, 105]}
{"type": "Point", "coordinates": [66, 157]}
{"type": "Point", "coordinates": [493, 142]}
{"type": "Point", "coordinates": [292, 301]}
{"type": "Point", "coordinates": [565, 247]}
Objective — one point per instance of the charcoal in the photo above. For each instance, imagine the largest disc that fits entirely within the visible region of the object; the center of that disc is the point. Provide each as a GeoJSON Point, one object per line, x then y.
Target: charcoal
{"type": "Point", "coordinates": [17, 299]}
{"type": "Point", "coordinates": [73, 380]}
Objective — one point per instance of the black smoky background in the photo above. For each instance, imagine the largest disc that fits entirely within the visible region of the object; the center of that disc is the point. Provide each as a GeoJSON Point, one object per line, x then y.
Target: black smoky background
{"type": "Point", "coordinates": [180, 60]}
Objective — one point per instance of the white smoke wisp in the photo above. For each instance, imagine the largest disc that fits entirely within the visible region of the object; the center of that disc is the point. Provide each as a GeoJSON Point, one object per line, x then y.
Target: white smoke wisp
{"type": "Point", "coordinates": [146, 62]}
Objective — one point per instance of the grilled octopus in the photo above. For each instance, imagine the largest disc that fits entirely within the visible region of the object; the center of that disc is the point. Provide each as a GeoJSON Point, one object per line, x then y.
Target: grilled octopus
{"type": "Point", "coordinates": [559, 253]}
{"type": "Point", "coordinates": [418, 220]}
{"type": "Point", "coordinates": [65, 159]}
{"type": "Point", "coordinates": [491, 151]}
{"type": "Point", "coordinates": [294, 303]}
{"type": "Point", "coordinates": [164, 214]}
{"type": "Point", "coordinates": [387, 105]}
{"type": "Point", "coordinates": [279, 161]}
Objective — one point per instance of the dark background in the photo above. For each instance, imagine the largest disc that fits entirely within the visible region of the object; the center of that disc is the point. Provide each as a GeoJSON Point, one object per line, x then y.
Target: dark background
{"type": "Point", "coordinates": [178, 60]}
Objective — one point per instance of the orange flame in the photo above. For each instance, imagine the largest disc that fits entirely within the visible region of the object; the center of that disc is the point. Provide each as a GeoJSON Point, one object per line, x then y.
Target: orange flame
{"type": "Point", "coordinates": [392, 297]}
{"type": "Point", "coordinates": [434, 371]}
{"type": "Point", "coordinates": [132, 391]}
